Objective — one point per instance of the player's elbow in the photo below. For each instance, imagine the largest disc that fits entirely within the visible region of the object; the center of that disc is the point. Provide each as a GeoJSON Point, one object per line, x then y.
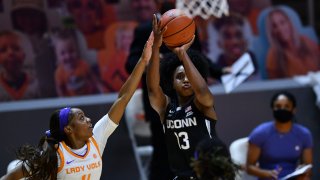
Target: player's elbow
{"type": "Point", "coordinates": [206, 100]}
{"type": "Point", "coordinates": [153, 89]}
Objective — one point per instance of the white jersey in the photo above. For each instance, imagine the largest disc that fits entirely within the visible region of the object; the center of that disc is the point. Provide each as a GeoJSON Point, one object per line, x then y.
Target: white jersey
{"type": "Point", "coordinates": [85, 165]}
{"type": "Point", "coordinates": [74, 166]}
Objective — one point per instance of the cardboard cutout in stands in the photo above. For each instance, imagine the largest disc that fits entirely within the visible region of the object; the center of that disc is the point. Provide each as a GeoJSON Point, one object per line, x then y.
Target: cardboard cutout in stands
{"type": "Point", "coordinates": [262, 44]}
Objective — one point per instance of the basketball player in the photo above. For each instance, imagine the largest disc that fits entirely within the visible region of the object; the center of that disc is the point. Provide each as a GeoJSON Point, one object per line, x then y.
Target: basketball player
{"type": "Point", "coordinates": [72, 149]}
{"type": "Point", "coordinates": [183, 101]}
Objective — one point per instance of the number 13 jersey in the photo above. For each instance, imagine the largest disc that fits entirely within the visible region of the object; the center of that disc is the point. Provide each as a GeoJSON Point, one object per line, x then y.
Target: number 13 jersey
{"type": "Point", "coordinates": [184, 128]}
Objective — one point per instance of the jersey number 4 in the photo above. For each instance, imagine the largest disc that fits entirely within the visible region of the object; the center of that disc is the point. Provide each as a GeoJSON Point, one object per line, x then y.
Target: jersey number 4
{"type": "Point", "coordinates": [85, 177]}
{"type": "Point", "coordinates": [183, 140]}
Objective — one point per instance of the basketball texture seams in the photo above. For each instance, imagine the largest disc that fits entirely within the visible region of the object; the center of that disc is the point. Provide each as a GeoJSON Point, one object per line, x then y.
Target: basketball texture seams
{"type": "Point", "coordinates": [178, 25]}
{"type": "Point", "coordinates": [184, 36]}
{"type": "Point", "coordinates": [180, 28]}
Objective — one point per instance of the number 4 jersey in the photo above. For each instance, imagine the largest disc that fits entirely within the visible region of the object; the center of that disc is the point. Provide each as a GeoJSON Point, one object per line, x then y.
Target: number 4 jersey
{"type": "Point", "coordinates": [184, 128]}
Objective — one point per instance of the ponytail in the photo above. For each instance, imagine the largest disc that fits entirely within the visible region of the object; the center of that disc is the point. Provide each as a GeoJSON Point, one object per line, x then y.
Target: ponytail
{"type": "Point", "coordinates": [40, 162]}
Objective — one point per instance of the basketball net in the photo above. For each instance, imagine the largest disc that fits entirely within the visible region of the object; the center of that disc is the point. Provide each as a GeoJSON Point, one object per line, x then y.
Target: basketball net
{"type": "Point", "coordinates": [203, 8]}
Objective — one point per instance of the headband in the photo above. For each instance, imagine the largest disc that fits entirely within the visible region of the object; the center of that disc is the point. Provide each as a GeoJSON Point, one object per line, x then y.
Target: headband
{"type": "Point", "coordinates": [48, 133]}
{"type": "Point", "coordinates": [63, 118]}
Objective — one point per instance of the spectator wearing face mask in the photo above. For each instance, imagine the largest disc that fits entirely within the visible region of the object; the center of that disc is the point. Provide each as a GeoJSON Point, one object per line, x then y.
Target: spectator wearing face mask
{"type": "Point", "coordinates": [281, 145]}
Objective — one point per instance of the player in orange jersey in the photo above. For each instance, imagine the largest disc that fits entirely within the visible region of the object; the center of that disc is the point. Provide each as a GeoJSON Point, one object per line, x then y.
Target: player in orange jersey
{"type": "Point", "coordinates": [72, 148]}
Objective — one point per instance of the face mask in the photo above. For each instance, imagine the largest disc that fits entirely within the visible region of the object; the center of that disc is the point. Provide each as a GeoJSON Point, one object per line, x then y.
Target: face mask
{"type": "Point", "coordinates": [282, 115]}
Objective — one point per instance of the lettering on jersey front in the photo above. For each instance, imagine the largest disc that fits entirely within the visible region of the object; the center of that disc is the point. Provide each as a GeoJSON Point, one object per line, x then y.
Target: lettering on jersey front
{"type": "Point", "coordinates": [94, 165]}
{"type": "Point", "coordinates": [76, 169]}
{"type": "Point", "coordinates": [82, 168]}
{"type": "Point", "coordinates": [181, 123]}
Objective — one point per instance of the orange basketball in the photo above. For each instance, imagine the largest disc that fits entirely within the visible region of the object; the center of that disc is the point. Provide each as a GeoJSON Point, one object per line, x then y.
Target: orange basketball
{"type": "Point", "coordinates": [180, 28]}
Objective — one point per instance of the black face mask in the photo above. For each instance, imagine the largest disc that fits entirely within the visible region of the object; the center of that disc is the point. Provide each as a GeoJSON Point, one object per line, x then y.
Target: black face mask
{"type": "Point", "coordinates": [282, 115]}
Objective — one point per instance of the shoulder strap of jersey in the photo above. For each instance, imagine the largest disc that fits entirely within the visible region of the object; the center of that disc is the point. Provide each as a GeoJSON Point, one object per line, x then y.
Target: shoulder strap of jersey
{"type": "Point", "coordinates": [61, 156]}
{"type": "Point", "coordinates": [95, 144]}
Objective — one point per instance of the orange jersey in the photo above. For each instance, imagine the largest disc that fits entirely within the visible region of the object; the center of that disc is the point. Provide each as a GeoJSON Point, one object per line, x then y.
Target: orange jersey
{"type": "Point", "coordinates": [112, 59]}
{"type": "Point", "coordinates": [28, 90]}
{"type": "Point", "coordinates": [293, 65]}
{"type": "Point", "coordinates": [253, 19]}
{"type": "Point", "coordinates": [112, 70]}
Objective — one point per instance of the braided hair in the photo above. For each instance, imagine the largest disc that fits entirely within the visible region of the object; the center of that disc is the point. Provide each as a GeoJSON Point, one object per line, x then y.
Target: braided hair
{"type": "Point", "coordinates": [41, 162]}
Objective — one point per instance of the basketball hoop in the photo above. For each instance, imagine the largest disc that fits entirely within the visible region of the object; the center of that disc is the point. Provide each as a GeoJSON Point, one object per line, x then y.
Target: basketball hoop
{"type": "Point", "coordinates": [203, 8]}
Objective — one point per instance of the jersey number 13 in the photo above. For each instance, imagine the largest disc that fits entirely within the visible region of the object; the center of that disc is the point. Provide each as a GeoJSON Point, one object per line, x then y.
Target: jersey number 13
{"type": "Point", "coordinates": [183, 140]}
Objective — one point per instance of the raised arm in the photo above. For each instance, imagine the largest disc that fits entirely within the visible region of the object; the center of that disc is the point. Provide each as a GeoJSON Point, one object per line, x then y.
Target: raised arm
{"type": "Point", "coordinates": [157, 98]}
{"type": "Point", "coordinates": [128, 88]}
{"type": "Point", "coordinates": [203, 96]}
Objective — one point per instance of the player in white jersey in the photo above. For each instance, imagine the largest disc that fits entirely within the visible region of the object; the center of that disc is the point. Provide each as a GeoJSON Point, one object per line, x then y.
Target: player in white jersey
{"type": "Point", "coordinates": [72, 149]}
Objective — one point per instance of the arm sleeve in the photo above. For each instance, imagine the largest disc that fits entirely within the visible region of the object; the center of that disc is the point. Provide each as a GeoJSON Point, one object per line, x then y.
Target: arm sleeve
{"type": "Point", "coordinates": [257, 136]}
{"type": "Point", "coordinates": [102, 130]}
{"type": "Point", "coordinates": [308, 140]}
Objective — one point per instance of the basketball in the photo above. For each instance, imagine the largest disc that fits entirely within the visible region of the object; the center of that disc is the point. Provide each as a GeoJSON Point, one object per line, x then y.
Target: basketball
{"type": "Point", "coordinates": [180, 28]}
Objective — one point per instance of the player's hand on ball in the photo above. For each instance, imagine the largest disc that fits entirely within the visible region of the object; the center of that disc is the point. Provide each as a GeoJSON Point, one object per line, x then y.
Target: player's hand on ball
{"type": "Point", "coordinates": [184, 47]}
{"type": "Point", "coordinates": [157, 32]}
{"type": "Point", "coordinates": [188, 45]}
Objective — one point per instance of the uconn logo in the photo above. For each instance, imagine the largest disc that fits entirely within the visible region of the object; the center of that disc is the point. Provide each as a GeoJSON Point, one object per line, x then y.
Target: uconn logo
{"type": "Point", "coordinates": [181, 123]}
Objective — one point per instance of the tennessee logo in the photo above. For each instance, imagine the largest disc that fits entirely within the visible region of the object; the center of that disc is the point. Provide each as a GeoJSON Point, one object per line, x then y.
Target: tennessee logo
{"type": "Point", "coordinates": [94, 156]}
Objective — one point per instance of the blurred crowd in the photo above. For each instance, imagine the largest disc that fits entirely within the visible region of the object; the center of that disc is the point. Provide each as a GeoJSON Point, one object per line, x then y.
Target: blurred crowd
{"type": "Point", "coordinates": [62, 48]}
{"type": "Point", "coordinates": [80, 47]}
